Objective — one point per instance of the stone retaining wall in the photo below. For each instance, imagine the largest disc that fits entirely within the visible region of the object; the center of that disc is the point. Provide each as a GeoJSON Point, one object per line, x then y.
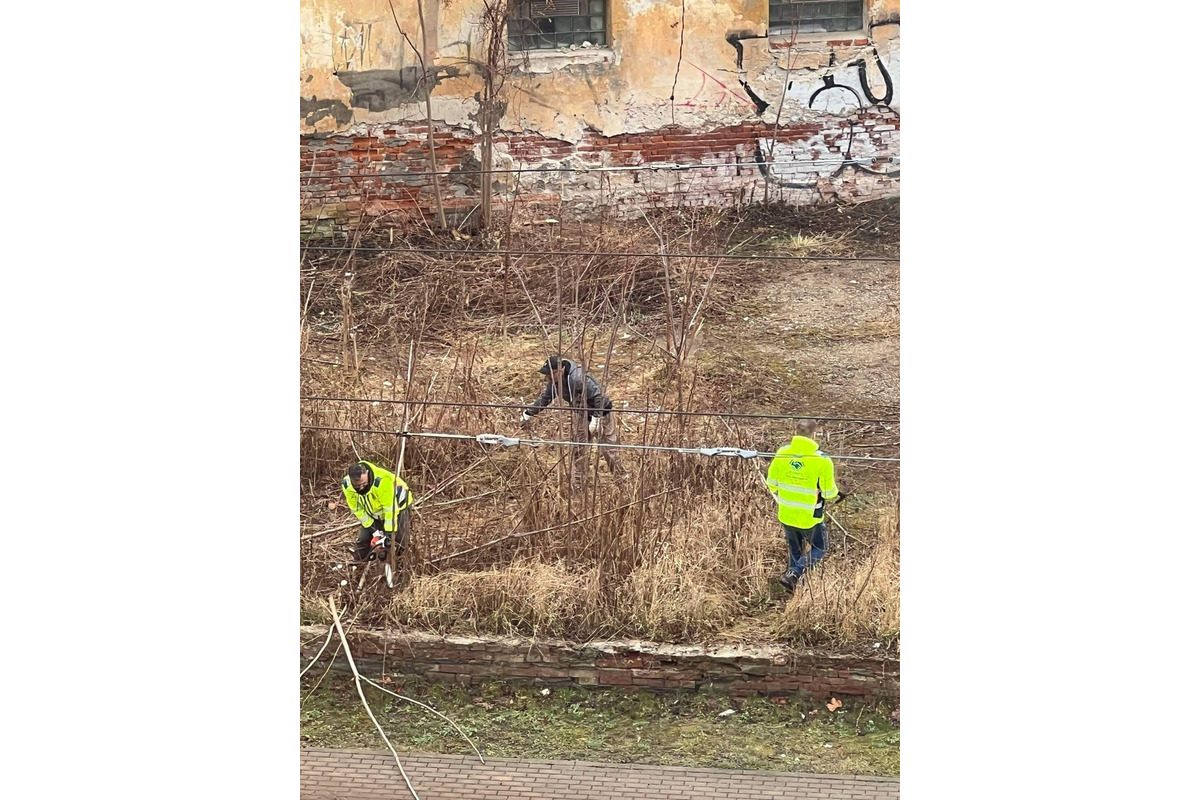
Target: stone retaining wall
{"type": "Point", "coordinates": [738, 669]}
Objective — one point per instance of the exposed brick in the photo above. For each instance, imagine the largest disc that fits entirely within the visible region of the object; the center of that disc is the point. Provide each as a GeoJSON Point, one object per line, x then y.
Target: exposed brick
{"type": "Point", "coordinates": [614, 677]}
{"type": "Point", "coordinates": [337, 170]}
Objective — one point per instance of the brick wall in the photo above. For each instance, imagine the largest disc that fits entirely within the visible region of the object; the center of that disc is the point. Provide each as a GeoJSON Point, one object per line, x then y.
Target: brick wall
{"type": "Point", "coordinates": [768, 669]}
{"type": "Point", "coordinates": [342, 180]}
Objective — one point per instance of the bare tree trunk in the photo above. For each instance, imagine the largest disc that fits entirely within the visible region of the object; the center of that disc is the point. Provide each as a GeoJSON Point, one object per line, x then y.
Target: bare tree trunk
{"type": "Point", "coordinates": [427, 90]}
{"type": "Point", "coordinates": [486, 153]}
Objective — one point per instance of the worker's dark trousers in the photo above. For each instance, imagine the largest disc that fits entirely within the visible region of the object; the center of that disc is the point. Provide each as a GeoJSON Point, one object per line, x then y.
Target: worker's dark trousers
{"type": "Point", "coordinates": [800, 561]}
{"type": "Point", "coordinates": [608, 434]}
{"type": "Point", "coordinates": [362, 548]}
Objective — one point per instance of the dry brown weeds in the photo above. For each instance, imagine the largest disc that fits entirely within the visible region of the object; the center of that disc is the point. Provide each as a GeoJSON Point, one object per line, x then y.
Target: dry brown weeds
{"type": "Point", "coordinates": [686, 564]}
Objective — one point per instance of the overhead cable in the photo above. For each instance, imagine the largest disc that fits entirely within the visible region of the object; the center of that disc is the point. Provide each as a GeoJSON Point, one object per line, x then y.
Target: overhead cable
{"type": "Point", "coordinates": [512, 441]}
{"type": "Point", "coordinates": [580, 253]}
{"type": "Point", "coordinates": [664, 411]}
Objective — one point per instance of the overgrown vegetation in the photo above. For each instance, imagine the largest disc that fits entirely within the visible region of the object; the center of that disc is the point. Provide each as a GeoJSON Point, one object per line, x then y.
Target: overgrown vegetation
{"type": "Point", "coordinates": [679, 729]}
{"type": "Point", "coordinates": [689, 548]}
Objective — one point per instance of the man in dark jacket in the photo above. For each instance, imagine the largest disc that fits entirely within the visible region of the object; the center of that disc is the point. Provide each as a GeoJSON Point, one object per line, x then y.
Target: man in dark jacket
{"type": "Point", "coordinates": [594, 418]}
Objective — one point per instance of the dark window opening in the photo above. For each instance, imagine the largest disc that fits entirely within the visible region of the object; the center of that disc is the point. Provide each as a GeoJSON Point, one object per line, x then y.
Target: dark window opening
{"type": "Point", "coordinates": [551, 24]}
{"type": "Point", "coordinates": [804, 16]}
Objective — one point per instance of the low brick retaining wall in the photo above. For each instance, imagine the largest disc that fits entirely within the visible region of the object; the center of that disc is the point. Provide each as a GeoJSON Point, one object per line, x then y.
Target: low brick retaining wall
{"type": "Point", "coordinates": [767, 669]}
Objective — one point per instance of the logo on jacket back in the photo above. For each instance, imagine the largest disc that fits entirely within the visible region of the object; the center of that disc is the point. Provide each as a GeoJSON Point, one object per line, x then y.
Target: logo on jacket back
{"type": "Point", "coordinates": [796, 464]}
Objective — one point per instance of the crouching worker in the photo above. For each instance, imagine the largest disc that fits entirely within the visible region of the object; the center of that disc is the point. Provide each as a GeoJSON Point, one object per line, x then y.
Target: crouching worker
{"type": "Point", "coordinates": [381, 501]}
{"type": "Point", "coordinates": [801, 479]}
{"type": "Point", "coordinates": [592, 420]}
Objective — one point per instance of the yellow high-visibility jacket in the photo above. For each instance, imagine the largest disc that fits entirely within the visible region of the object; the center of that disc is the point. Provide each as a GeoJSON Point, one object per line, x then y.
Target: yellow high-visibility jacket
{"type": "Point", "coordinates": [800, 478]}
{"type": "Point", "coordinates": [376, 503]}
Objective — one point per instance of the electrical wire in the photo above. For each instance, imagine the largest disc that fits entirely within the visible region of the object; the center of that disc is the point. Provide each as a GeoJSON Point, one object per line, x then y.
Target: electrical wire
{"type": "Point", "coordinates": [577, 253]}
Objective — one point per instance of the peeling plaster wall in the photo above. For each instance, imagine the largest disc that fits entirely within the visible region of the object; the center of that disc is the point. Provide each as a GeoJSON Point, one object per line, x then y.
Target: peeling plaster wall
{"type": "Point", "coordinates": [835, 136]}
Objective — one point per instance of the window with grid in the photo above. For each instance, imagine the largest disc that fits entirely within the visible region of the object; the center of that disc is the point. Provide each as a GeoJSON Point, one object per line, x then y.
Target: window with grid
{"type": "Point", "coordinates": [550, 24]}
{"type": "Point", "coordinates": [804, 16]}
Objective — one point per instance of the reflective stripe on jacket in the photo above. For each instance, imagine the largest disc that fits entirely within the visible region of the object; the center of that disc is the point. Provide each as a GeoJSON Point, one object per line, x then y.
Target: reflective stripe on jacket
{"type": "Point", "coordinates": [800, 478]}
{"type": "Point", "coordinates": [376, 503]}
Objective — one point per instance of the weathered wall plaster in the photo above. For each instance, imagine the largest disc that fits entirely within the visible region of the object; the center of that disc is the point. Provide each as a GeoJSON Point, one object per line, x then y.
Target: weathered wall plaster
{"type": "Point", "coordinates": [832, 99]}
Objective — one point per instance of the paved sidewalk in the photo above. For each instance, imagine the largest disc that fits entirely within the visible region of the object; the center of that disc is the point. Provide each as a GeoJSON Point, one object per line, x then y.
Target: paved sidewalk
{"type": "Point", "coordinates": [366, 775]}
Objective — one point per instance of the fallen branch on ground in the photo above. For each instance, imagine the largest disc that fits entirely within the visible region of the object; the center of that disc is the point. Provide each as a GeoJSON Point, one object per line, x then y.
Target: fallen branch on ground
{"type": "Point", "coordinates": [429, 708]}
{"type": "Point", "coordinates": [321, 679]}
{"type": "Point", "coordinates": [318, 655]}
{"type": "Point", "coordinates": [337, 621]}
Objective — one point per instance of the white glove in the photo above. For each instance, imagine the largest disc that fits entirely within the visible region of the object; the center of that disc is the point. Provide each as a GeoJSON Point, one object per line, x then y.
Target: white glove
{"type": "Point", "coordinates": [525, 416]}
{"type": "Point", "coordinates": [594, 425]}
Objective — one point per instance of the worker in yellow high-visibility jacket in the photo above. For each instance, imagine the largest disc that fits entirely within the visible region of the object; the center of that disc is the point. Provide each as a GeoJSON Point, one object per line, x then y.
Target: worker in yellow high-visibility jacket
{"type": "Point", "coordinates": [381, 502]}
{"type": "Point", "coordinates": [801, 479]}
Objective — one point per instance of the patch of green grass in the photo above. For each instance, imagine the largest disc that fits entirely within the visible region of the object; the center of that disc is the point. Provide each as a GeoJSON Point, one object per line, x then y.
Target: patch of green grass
{"type": "Point", "coordinates": [680, 729]}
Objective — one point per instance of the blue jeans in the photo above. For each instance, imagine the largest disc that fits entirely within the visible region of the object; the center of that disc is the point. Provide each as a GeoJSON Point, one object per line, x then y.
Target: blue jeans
{"type": "Point", "coordinates": [815, 536]}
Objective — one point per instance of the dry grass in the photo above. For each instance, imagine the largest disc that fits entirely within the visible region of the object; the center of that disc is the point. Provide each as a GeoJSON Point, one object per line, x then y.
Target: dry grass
{"type": "Point", "coordinates": [851, 601]}
{"type": "Point", "coordinates": [692, 589]}
{"type": "Point", "coordinates": [533, 598]}
{"type": "Point", "coordinates": [802, 244]}
{"type": "Point", "coordinates": [689, 564]}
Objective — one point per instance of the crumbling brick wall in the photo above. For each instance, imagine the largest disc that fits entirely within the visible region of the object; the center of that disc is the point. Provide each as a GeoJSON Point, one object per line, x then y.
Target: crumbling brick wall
{"type": "Point", "coordinates": [740, 670]}
{"type": "Point", "coordinates": [384, 168]}
{"type": "Point", "coordinates": [719, 82]}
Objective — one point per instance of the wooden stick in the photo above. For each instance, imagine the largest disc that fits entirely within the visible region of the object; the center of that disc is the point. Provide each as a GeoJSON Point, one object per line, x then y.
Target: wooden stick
{"type": "Point", "coordinates": [845, 532]}
{"type": "Point", "coordinates": [392, 561]}
{"type": "Point", "coordinates": [329, 530]}
{"type": "Point", "coordinates": [321, 679]}
{"type": "Point", "coordinates": [337, 621]}
{"type": "Point", "coordinates": [318, 655]}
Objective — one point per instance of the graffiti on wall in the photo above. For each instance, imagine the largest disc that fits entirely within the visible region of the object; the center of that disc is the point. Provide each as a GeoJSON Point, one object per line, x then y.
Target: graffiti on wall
{"type": "Point", "coordinates": [886, 100]}
{"type": "Point", "coordinates": [381, 89]}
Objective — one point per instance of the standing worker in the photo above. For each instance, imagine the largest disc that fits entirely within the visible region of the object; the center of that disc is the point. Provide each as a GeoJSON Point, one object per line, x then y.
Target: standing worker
{"type": "Point", "coordinates": [800, 479]}
{"type": "Point", "coordinates": [380, 500]}
{"type": "Point", "coordinates": [579, 390]}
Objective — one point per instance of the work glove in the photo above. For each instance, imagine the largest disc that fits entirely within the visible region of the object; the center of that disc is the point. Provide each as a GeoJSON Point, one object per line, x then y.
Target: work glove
{"type": "Point", "coordinates": [594, 425]}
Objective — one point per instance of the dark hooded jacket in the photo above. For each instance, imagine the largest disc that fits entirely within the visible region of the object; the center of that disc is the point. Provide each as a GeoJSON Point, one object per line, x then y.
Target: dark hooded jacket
{"type": "Point", "coordinates": [576, 389]}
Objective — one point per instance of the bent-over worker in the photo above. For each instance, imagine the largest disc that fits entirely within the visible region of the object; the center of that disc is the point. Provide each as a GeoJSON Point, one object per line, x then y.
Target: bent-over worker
{"type": "Point", "coordinates": [594, 416]}
{"type": "Point", "coordinates": [381, 501]}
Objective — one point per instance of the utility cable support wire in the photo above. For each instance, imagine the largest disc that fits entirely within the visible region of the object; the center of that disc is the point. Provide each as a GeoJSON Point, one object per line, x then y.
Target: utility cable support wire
{"type": "Point", "coordinates": [616, 410]}
{"type": "Point", "coordinates": [512, 441]}
{"type": "Point", "coordinates": [583, 170]}
{"type": "Point", "coordinates": [564, 253]}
